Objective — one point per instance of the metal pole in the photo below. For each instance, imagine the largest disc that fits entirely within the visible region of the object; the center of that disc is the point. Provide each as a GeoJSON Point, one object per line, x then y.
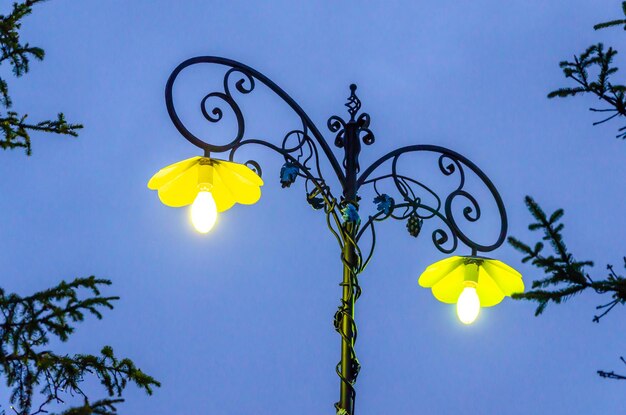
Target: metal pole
{"type": "Point", "coordinates": [348, 375]}
{"type": "Point", "coordinates": [349, 363]}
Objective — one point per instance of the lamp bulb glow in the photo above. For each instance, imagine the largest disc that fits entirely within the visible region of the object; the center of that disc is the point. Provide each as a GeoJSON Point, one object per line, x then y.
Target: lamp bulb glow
{"type": "Point", "coordinates": [203, 212]}
{"type": "Point", "coordinates": [468, 305]}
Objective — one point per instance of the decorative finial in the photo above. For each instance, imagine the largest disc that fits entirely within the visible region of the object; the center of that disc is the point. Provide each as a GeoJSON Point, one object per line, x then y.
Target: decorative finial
{"type": "Point", "coordinates": [354, 103]}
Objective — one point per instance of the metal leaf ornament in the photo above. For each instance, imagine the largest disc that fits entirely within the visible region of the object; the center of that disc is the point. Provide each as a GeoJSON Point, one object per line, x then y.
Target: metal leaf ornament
{"type": "Point", "coordinates": [288, 174]}
{"type": "Point", "coordinates": [316, 203]}
{"type": "Point", "coordinates": [350, 214]}
{"type": "Point", "coordinates": [414, 225]}
{"type": "Point", "coordinates": [384, 203]}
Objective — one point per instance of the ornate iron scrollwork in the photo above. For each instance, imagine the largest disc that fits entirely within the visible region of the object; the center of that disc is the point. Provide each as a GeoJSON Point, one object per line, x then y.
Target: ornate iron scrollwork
{"type": "Point", "coordinates": [298, 147]}
{"type": "Point", "coordinates": [301, 150]}
{"type": "Point", "coordinates": [450, 164]}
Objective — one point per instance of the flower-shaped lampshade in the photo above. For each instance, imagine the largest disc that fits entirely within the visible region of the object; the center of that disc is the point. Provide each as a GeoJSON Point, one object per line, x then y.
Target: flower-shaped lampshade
{"type": "Point", "coordinates": [471, 283]}
{"type": "Point", "coordinates": [209, 185]}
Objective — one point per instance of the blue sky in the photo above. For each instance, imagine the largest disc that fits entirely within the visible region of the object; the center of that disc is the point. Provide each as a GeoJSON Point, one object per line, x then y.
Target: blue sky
{"type": "Point", "coordinates": [240, 321]}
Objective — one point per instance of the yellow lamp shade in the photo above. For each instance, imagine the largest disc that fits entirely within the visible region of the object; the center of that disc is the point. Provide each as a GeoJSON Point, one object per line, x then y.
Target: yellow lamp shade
{"type": "Point", "coordinates": [178, 184]}
{"type": "Point", "coordinates": [492, 279]}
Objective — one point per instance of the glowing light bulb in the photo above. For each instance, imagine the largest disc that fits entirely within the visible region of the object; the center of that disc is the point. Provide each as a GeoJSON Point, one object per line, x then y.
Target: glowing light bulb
{"type": "Point", "coordinates": [468, 305]}
{"type": "Point", "coordinates": [203, 212]}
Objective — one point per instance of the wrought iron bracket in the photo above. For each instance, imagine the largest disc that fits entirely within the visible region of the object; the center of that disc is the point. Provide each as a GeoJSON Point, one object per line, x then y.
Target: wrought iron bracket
{"type": "Point", "coordinates": [301, 150]}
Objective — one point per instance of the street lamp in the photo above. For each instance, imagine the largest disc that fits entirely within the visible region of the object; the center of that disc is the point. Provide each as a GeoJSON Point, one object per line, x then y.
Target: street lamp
{"type": "Point", "coordinates": [212, 185]}
{"type": "Point", "coordinates": [208, 185]}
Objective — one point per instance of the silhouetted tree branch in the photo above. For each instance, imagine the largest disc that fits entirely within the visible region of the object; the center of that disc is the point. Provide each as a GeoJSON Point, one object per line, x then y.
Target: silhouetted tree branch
{"type": "Point", "coordinates": [28, 323]}
{"type": "Point", "coordinates": [613, 22]}
{"type": "Point", "coordinates": [601, 86]}
{"type": "Point", "coordinates": [14, 127]}
{"type": "Point", "coordinates": [598, 83]}
{"type": "Point", "coordinates": [566, 277]}
{"type": "Point", "coordinates": [35, 376]}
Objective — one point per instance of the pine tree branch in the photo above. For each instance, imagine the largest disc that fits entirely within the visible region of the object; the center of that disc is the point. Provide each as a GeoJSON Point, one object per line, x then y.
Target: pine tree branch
{"type": "Point", "coordinates": [14, 128]}
{"type": "Point", "coordinates": [27, 326]}
{"type": "Point", "coordinates": [101, 407]}
{"type": "Point", "coordinates": [612, 374]}
{"type": "Point", "coordinates": [16, 131]}
{"type": "Point", "coordinates": [565, 277]}
{"type": "Point", "coordinates": [11, 49]}
{"type": "Point", "coordinates": [613, 22]}
{"type": "Point", "coordinates": [578, 70]}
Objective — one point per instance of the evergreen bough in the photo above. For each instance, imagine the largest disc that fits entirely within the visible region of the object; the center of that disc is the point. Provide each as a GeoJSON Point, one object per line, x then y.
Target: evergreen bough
{"type": "Point", "coordinates": [566, 277]}
{"type": "Point", "coordinates": [36, 377]}
{"type": "Point", "coordinates": [612, 23]}
{"type": "Point", "coordinates": [599, 83]}
{"type": "Point", "coordinates": [14, 127]}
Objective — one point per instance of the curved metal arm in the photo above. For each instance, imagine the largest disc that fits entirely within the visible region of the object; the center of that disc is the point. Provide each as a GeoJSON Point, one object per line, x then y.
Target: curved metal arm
{"type": "Point", "coordinates": [450, 162]}
{"type": "Point", "coordinates": [299, 149]}
{"type": "Point", "coordinates": [248, 76]}
{"type": "Point", "coordinates": [320, 188]}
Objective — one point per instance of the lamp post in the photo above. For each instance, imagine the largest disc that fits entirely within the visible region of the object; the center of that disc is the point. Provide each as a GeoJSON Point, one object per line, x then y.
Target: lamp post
{"type": "Point", "coordinates": [214, 185]}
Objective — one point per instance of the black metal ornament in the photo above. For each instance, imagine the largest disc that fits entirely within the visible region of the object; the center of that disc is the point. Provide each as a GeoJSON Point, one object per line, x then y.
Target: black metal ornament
{"type": "Point", "coordinates": [414, 225]}
{"type": "Point", "coordinates": [301, 150]}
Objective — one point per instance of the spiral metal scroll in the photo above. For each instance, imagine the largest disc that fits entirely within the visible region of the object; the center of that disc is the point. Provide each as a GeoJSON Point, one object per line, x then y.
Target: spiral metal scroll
{"type": "Point", "coordinates": [301, 149]}
{"type": "Point", "coordinates": [355, 127]}
{"type": "Point", "coordinates": [446, 238]}
{"type": "Point", "coordinates": [245, 83]}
